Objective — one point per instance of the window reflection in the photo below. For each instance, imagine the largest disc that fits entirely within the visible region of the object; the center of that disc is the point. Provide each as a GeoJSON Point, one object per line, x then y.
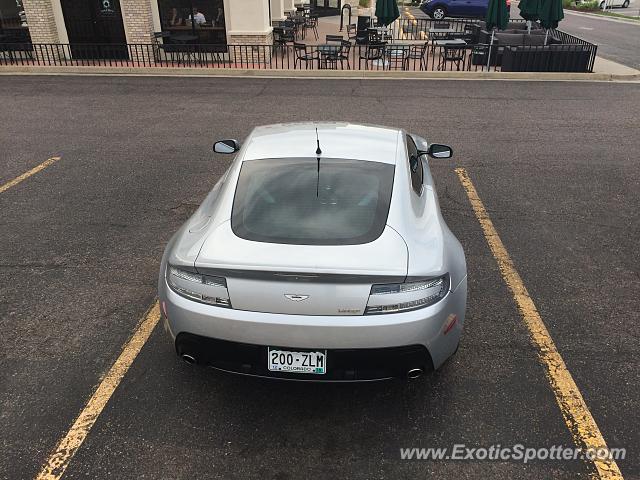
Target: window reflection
{"type": "Point", "coordinates": [13, 22]}
{"type": "Point", "coordinates": [202, 19]}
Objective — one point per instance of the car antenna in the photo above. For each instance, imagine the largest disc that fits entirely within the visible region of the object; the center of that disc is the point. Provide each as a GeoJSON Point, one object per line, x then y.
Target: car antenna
{"type": "Point", "coordinates": [318, 153]}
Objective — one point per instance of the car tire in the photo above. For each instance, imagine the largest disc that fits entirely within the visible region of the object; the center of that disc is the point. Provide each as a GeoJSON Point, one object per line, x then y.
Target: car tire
{"type": "Point", "coordinates": [601, 5]}
{"type": "Point", "coordinates": [438, 13]}
{"type": "Point", "coordinates": [625, 4]}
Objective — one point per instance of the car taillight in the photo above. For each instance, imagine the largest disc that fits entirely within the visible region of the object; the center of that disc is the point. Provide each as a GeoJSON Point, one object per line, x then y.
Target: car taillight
{"type": "Point", "coordinates": [201, 288]}
{"type": "Point", "coordinates": [402, 297]}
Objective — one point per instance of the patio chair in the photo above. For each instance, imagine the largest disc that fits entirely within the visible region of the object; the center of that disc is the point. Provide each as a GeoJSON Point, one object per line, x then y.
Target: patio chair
{"type": "Point", "coordinates": [363, 24]}
{"type": "Point", "coordinates": [388, 35]}
{"type": "Point", "coordinates": [293, 26]}
{"type": "Point", "coordinates": [352, 31]}
{"type": "Point", "coordinates": [341, 56]}
{"type": "Point", "coordinates": [281, 37]}
{"type": "Point", "coordinates": [170, 50]}
{"type": "Point", "coordinates": [334, 38]}
{"type": "Point", "coordinates": [417, 53]}
{"type": "Point", "coordinates": [456, 54]}
{"type": "Point", "coordinates": [397, 57]}
{"type": "Point", "coordinates": [311, 23]}
{"type": "Point", "coordinates": [301, 55]}
{"type": "Point", "coordinates": [374, 36]}
{"type": "Point", "coordinates": [372, 52]}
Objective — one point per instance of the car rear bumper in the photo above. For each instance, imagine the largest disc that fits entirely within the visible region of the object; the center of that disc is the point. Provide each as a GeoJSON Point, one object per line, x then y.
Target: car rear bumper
{"type": "Point", "coordinates": [431, 328]}
{"type": "Point", "coordinates": [362, 364]}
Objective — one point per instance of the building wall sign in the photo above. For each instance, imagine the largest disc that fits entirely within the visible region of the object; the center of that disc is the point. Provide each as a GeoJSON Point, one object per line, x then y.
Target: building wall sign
{"type": "Point", "coordinates": [106, 8]}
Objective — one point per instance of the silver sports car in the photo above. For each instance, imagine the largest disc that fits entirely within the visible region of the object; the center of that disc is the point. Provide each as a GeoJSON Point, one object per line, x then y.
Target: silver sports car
{"type": "Point", "coordinates": [321, 254]}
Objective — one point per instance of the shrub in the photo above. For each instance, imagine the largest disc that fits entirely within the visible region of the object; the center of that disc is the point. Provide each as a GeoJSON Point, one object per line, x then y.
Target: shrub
{"type": "Point", "coordinates": [567, 3]}
{"type": "Point", "coordinates": [589, 5]}
{"type": "Point", "coordinates": [363, 3]}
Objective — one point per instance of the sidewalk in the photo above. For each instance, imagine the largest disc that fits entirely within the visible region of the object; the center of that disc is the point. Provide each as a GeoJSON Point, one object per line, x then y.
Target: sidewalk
{"type": "Point", "coordinates": [602, 65]}
{"type": "Point", "coordinates": [605, 17]}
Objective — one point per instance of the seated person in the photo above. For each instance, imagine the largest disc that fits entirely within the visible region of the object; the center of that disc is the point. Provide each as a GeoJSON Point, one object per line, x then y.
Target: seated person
{"type": "Point", "coordinates": [197, 17]}
{"type": "Point", "coordinates": [219, 20]}
{"type": "Point", "coordinates": [174, 17]}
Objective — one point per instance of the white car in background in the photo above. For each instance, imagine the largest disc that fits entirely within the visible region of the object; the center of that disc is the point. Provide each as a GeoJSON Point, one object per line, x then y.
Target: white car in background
{"type": "Point", "coordinates": [609, 3]}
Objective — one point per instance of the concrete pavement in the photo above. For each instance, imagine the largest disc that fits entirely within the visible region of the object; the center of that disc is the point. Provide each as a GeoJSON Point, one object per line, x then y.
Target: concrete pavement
{"type": "Point", "coordinates": [555, 166]}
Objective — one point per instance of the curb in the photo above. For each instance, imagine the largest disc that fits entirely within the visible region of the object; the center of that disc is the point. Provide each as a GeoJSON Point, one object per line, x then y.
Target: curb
{"type": "Point", "coordinates": [338, 74]}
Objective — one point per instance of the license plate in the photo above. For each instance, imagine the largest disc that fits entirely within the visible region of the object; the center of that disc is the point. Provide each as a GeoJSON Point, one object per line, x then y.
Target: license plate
{"type": "Point", "coordinates": [297, 362]}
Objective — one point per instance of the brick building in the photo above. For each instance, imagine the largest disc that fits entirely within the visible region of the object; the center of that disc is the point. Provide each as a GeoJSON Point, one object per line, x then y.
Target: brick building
{"type": "Point", "coordinates": [117, 22]}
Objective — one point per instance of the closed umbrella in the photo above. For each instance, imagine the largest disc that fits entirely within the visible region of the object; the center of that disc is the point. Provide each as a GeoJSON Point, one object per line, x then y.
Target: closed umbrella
{"type": "Point", "coordinates": [387, 11]}
{"type": "Point", "coordinates": [497, 17]}
{"type": "Point", "coordinates": [551, 12]}
{"type": "Point", "coordinates": [530, 11]}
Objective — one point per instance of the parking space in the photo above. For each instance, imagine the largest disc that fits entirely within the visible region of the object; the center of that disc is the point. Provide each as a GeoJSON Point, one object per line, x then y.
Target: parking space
{"type": "Point", "coordinates": [81, 244]}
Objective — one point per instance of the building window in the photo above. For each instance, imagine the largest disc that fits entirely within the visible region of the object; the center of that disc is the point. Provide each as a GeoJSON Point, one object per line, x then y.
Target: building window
{"type": "Point", "coordinates": [201, 19]}
{"type": "Point", "coordinates": [13, 22]}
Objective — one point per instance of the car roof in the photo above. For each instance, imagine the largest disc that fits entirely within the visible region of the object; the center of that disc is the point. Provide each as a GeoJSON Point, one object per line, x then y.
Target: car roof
{"type": "Point", "coordinates": [337, 140]}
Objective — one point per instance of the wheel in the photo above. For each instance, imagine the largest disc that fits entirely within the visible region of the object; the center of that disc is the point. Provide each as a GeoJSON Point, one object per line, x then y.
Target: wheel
{"type": "Point", "coordinates": [601, 5]}
{"type": "Point", "coordinates": [625, 4]}
{"type": "Point", "coordinates": [439, 13]}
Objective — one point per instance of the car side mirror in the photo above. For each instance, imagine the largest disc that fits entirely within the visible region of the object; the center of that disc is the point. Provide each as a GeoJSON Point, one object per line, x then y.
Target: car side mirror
{"type": "Point", "coordinates": [226, 146]}
{"type": "Point", "coordinates": [437, 150]}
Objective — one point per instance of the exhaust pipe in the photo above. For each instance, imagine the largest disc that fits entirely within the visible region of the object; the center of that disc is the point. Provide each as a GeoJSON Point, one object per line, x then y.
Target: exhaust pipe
{"type": "Point", "coordinates": [189, 359]}
{"type": "Point", "coordinates": [414, 373]}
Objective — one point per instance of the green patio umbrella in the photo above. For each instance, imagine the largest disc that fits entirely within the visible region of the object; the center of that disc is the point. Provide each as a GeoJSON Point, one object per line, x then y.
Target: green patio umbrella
{"type": "Point", "coordinates": [497, 17]}
{"type": "Point", "coordinates": [530, 9]}
{"type": "Point", "coordinates": [387, 11]}
{"type": "Point", "coordinates": [551, 12]}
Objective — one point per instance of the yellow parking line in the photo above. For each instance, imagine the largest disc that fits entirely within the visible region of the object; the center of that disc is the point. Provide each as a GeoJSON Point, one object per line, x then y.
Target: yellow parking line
{"type": "Point", "coordinates": [576, 414]}
{"type": "Point", "coordinates": [26, 175]}
{"type": "Point", "coordinates": [59, 460]}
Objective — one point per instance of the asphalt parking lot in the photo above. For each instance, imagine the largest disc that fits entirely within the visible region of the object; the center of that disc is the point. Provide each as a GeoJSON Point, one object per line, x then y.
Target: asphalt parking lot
{"type": "Point", "coordinates": [555, 165]}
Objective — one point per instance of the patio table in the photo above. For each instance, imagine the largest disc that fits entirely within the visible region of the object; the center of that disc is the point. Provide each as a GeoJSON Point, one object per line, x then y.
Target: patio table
{"type": "Point", "coordinates": [456, 41]}
{"type": "Point", "coordinates": [440, 33]}
{"type": "Point", "coordinates": [447, 44]}
{"type": "Point", "coordinates": [441, 30]}
{"type": "Point", "coordinates": [184, 38]}
{"type": "Point", "coordinates": [187, 53]}
{"type": "Point", "coordinates": [408, 41]}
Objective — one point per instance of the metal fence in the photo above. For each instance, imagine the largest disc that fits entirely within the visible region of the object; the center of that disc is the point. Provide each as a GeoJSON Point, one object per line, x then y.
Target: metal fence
{"type": "Point", "coordinates": [414, 28]}
{"type": "Point", "coordinates": [573, 56]}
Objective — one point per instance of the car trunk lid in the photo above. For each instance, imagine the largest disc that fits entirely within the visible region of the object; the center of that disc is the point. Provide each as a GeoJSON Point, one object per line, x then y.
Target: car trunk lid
{"type": "Point", "coordinates": [302, 279]}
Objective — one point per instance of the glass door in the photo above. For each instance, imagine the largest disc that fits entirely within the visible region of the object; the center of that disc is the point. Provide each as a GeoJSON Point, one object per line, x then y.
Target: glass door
{"type": "Point", "coordinates": [324, 8]}
{"type": "Point", "coordinates": [95, 28]}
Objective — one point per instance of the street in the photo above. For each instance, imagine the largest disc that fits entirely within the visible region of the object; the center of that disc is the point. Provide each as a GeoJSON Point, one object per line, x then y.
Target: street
{"type": "Point", "coordinates": [616, 41]}
{"type": "Point", "coordinates": [81, 241]}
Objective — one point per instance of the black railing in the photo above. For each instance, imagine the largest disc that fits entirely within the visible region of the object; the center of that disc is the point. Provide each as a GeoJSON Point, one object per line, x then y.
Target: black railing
{"type": "Point", "coordinates": [401, 56]}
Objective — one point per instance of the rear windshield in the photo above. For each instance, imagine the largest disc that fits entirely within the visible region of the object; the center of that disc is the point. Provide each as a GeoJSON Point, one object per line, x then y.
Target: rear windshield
{"type": "Point", "coordinates": [295, 201]}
